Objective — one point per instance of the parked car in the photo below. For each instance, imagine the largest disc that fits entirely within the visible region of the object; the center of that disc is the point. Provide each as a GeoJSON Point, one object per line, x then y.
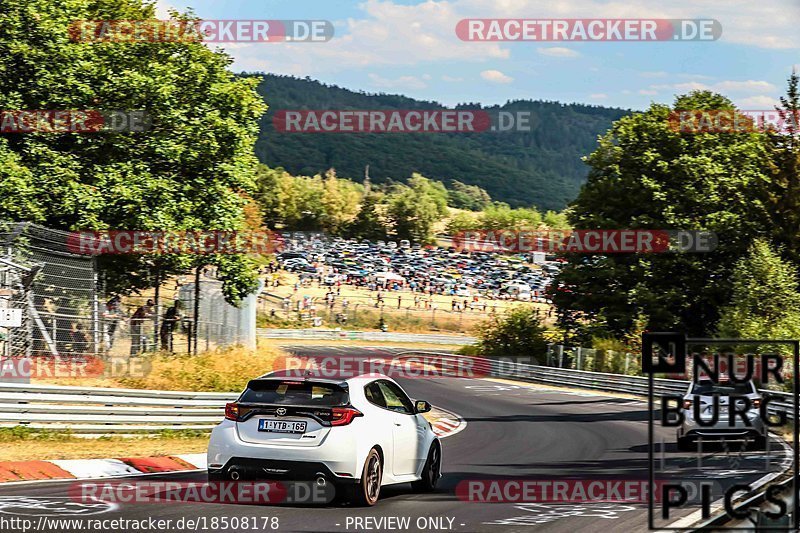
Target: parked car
{"type": "Point", "coordinates": [359, 434]}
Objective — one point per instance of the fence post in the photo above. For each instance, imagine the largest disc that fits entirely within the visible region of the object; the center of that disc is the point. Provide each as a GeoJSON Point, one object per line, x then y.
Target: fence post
{"type": "Point", "coordinates": [560, 356]}
{"type": "Point", "coordinates": [627, 361]}
{"type": "Point", "coordinates": [196, 318]}
{"type": "Point", "coordinates": [157, 314]}
{"type": "Point", "coordinates": [97, 335]}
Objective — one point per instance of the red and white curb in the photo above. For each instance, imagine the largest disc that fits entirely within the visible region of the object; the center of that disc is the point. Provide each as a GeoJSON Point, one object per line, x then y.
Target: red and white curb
{"type": "Point", "coordinates": [25, 471]}
{"type": "Point", "coordinates": [445, 423]}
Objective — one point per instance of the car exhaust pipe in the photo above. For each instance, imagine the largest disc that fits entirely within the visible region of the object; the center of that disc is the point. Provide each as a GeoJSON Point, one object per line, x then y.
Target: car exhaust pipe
{"type": "Point", "coordinates": [321, 481]}
{"type": "Point", "coordinates": [234, 475]}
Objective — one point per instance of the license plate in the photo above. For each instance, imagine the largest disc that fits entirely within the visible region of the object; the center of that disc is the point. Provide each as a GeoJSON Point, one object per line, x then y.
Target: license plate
{"type": "Point", "coordinates": [281, 426]}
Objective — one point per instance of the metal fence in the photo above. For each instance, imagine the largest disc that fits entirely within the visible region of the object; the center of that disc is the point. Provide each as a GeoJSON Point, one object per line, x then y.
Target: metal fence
{"type": "Point", "coordinates": [66, 313]}
{"type": "Point", "coordinates": [106, 410]}
{"type": "Point", "coordinates": [579, 358]}
{"type": "Point", "coordinates": [378, 336]}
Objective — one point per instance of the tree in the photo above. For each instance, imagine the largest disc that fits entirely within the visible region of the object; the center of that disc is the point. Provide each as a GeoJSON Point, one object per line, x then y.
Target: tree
{"type": "Point", "coordinates": [413, 209]}
{"type": "Point", "coordinates": [765, 301]}
{"type": "Point", "coordinates": [369, 223]}
{"type": "Point", "coordinates": [340, 202]}
{"type": "Point", "coordinates": [463, 196]}
{"type": "Point", "coordinates": [645, 175]}
{"type": "Point", "coordinates": [781, 191]}
{"type": "Point", "coordinates": [517, 333]}
{"type": "Point", "coordinates": [500, 216]}
{"type": "Point", "coordinates": [185, 173]}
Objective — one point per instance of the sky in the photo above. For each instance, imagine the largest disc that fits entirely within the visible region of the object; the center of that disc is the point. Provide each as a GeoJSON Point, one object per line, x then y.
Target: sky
{"type": "Point", "coordinates": [410, 47]}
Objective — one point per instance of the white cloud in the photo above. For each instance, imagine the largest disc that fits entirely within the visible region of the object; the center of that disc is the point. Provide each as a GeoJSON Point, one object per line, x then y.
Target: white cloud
{"type": "Point", "coordinates": [451, 78]}
{"type": "Point", "coordinates": [163, 9]}
{"type": "Point", "coordinates": [387, 34]}
{"type": "Point", "coordinates": [648, 92]}
{"type": "Point", "coordinates": [656, 74]}
{"type": "Point", "coordinates": [723, 87]}
{"type": "Point", "coordinates": [761, 102]}
{"type": "Point", "coordinates": [557, 51]}
{"type": "Point", "coordinates": [598, 96]}
{"type": "Point", "coordinates": [766, 24]}
{"type": "Point", "coordinates": [744, 86]}
{"type": "Point", "coordinates": [403, 82]}
{"type": "Point", "coordinates": [495, 76]}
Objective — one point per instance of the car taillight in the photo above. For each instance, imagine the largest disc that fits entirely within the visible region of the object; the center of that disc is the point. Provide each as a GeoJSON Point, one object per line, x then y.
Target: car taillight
{"type": "Point", "coordinates": [756, 403]}
{"type": "Point", "coordinates": [341, 416]}
{"type": "Point", "coordinates": [687, 404]}
{"type": "Point", "coordinates": [232, 411]}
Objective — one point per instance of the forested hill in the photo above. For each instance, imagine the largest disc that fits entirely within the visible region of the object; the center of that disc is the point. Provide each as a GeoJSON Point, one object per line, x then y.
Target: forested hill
{"type": "Point", "coordinates": [540, 167]}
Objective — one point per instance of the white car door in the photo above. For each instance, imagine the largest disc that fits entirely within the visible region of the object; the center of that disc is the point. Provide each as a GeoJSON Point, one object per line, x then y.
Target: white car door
{"type": "Point", "coordinates": [406, 432]}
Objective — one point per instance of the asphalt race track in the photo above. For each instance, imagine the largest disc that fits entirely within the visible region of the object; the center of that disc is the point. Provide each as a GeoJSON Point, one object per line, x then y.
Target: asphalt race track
{"type": "Point", "coordinates": [513, 431]}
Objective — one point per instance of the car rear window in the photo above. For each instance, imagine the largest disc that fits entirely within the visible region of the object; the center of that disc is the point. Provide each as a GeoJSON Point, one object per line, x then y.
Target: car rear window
{"type": "Point", "coordinates": [707, 388]}
{"type": "Point", "coordinates": [288, 392]}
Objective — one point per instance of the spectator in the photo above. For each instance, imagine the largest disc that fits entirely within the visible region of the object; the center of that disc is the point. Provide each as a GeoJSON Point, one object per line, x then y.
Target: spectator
{"type": "Point", "coordinates": [112, 316]}
{"type": "Point", "coordinates": [79, 340]}
{"type": "Point", "coordinates": [170, 321]}
{"type": "Point", "coordinates": [141, 314]}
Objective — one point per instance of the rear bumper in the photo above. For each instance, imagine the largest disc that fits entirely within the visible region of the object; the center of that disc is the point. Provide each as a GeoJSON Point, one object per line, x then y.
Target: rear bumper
{"type": "Point", "coordinates": [335, 456]}
{"type": "Point", "coordinates": [723, 434]}
{"type": "Point", "coordinates": [274, 469]}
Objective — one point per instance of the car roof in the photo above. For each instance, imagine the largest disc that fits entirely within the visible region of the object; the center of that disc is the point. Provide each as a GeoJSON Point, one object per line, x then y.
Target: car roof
{"type": "Point", "coordinates": [360, 379]}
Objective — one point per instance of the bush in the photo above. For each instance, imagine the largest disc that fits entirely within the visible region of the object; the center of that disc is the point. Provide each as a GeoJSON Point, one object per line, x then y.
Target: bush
{"type": "Point", "coordinates": [223, 370]}
{"type": "Point", "coordinates": [517, 333]}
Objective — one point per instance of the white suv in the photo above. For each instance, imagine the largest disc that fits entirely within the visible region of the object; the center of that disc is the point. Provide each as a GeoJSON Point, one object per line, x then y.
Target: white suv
{"type": "Point", "coordinates": [358, 434]}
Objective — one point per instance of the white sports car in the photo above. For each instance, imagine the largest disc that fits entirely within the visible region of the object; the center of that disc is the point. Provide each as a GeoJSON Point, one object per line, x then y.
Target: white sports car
{"type": "Point", "coordinates": [358, 434]}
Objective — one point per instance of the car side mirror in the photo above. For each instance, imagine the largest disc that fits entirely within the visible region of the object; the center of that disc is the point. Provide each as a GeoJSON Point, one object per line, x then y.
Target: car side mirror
{"type": "Point", "coordinates": [422, 406]}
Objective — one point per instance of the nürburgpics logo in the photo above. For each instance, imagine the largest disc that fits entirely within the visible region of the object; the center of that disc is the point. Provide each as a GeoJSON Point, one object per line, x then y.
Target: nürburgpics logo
{"type": "Point", "coordinates": [732, 402]}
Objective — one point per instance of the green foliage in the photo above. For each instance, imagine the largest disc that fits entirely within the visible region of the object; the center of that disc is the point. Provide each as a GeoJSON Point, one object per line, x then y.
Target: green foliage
{"type": "Point", "coordinates": [413, 209]}
{"type": "Point", "coordinates": [472, 197]}
{"type": "Point", "coordinates": [517, 333]}
{"type": "Point", "coordinates": [781, 192]}
{"type": "Point", "coordinates": [185, 173]}
{"type": "Point", "coordinates": [765, 302]}
{"type": "Point", "coordinates": [369, 223]}
{"type": "Point", "coordinates": [645, 175]}
{"type": "Point", "coordinates": [541, 167]}
{"type": "Point", "coordinates": [501, 216]}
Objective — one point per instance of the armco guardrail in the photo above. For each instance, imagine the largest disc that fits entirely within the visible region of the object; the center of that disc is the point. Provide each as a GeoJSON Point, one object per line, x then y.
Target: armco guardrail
{"type": "Point", "coordinates": [108, 410]}
{"type": "Point", "coordinates": [562, 377]}
{"type": "Point", "coordinates": [376, 336]}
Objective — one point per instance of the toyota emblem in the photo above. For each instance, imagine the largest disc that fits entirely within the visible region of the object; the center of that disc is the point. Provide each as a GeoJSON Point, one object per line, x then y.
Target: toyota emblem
{"type": "Point", "coordinates": [281, 411]}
